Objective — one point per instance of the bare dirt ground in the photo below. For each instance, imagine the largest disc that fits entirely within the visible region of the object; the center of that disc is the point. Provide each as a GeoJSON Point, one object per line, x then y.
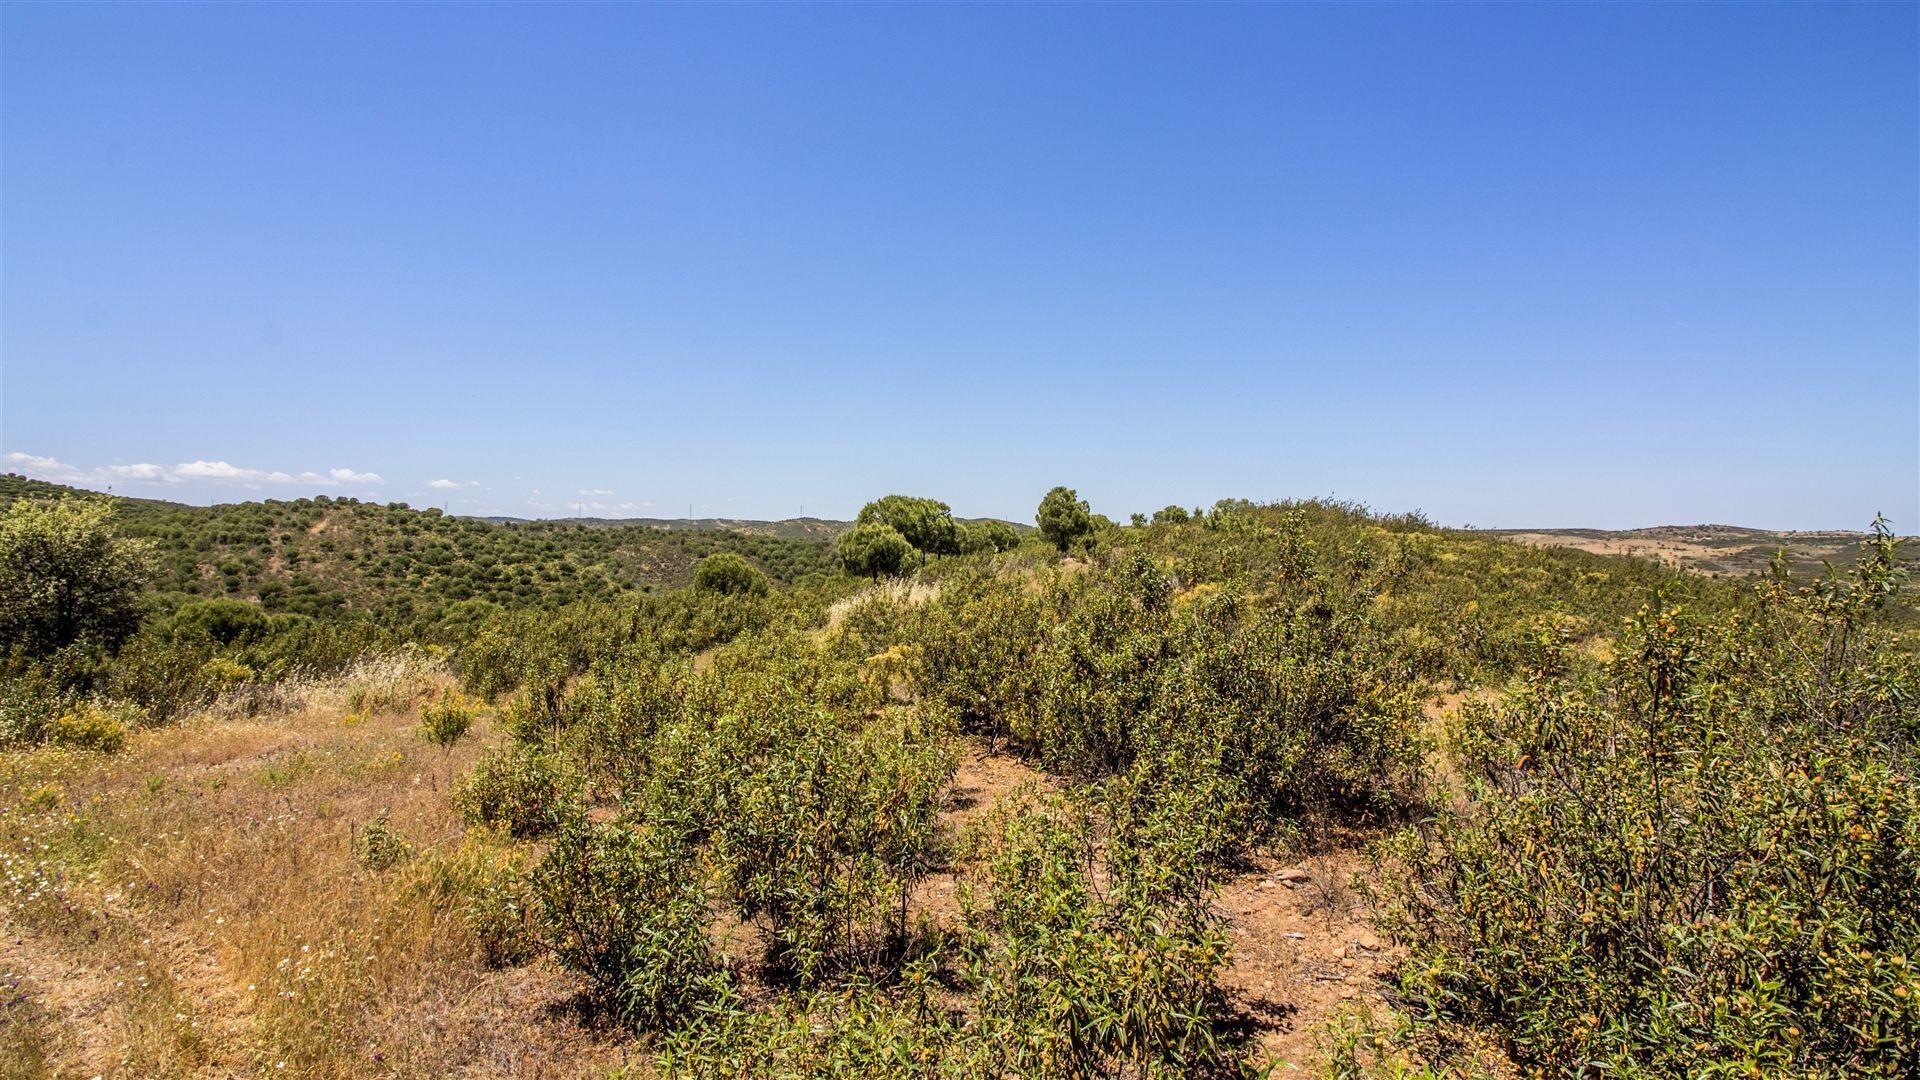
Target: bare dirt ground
{"type": "Point", "coordinates": [980, 783]}
{"type": "Point", "coordinates": [1711, 559]}
{"type": "Point", "coordinates": [1303, 949]}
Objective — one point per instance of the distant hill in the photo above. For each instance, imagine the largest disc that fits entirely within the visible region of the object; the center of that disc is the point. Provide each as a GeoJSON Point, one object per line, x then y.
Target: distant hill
{"type": "Point", "coordinates": [800, 528]}
{"type": "Point", "coordinates": [311, 556]}
{"type": "Point", "coordinates": [1709, 549]}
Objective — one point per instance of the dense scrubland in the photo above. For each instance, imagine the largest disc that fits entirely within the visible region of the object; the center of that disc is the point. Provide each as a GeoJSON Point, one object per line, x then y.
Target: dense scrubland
{"type": "Point", "coordinates": [1290, 786]}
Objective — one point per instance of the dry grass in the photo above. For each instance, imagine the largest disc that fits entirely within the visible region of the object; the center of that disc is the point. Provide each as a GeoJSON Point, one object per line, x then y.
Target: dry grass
{"type": "Point", "coordinates": [911, 592]}
{"type": "Point", "coordinates": [193, 907]}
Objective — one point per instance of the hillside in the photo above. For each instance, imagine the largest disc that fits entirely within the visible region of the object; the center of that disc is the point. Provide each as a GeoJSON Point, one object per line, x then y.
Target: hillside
{"type": "Point", "coordinates": [804, 528]}
{"type": "Point", "coordinates": [1709, 549]}
{"type": "Point", "coordinates": [310, 556]}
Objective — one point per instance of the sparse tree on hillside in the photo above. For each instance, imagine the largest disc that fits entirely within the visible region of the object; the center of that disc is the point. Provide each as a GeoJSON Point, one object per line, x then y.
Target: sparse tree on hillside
{"type": "Point", "coordinates": [873, 549]}
{"type": "Point", "coordinates": [1064, 517]}
{"type": "Point", "coordinates": [1171, 515]}
{"type": "Point", "coordinates": [66, 575]}
{"type": "Point", "coordinates": [927, 524]}
{"type": "Point", "coordinates": [728, 574]}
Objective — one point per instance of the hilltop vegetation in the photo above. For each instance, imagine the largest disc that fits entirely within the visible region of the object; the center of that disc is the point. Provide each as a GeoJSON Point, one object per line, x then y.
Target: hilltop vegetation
{"type": "Point", "coordinates": [983, 804]}
{"type": "Point", "coordinates": [322, 555]}
{"type": "Point", "coordinates": [800, 528]}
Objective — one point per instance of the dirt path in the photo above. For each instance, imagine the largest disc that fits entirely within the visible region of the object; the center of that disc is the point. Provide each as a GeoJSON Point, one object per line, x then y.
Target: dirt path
{"type": "Point", "coordinates": [1303, 949]}
{"type": "Point", "coordinates": [980, 782]}
{"type": "Point", "coordinates": [1303, 943]}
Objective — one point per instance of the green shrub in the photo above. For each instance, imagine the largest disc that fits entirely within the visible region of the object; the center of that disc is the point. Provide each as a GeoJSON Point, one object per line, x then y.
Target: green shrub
{"type": "Point", "coordinates": [625, 907]}
{"type": "Point", "coordinates": [814, 799]}
{"type": "Point", "coordinates": [826, 831]}
{"type": "Point", "coordinates": [66, 575]}
{"type": "Point", "coordinates": [223, 621]}
{"type": "Point", "coordinates": [1085, 974]}
{"type": "Point", "coordinates": [1699, 860]}
{"type": "Point", "coordinates": [976, 653]}
{"type": "Point", "coordinates": [29, 704]}
{"type": "Point", "coordinates": [487, 883]}
{"type": "Point", "coordinates": [222, 674]}
{"type": "Point", "coordinates": [862, 1031]}
{"type": "Point", "coordinates": [1290, 700]}
{"type": "Point", "coordinates": [89, 727]}
{"type": "Point", "coordinates": [447, 717]}
{"type": "Point", "coordinates": [490, 663]}
{"type": "Point", "coordinates": [527, 791]}
{"type": "Point", "coordinates": [875, 550]}
{"type": "Point", "coordinates": [379, 846]}
{"type": "Point", "coordinates": [612, 716]}
{"type": "Point", "coordinates": [728, 574]}
{"type": "Point", "coordinates": [988, 535]}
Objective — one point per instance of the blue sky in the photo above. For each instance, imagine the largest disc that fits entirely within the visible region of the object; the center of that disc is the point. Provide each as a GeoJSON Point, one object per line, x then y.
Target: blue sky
{"type": "Point", "coordinates": [1513, 265]}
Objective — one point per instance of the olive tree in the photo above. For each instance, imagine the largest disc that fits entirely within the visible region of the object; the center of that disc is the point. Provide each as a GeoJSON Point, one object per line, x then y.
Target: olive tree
{"type": "Point", "coordinates": [66, 575]}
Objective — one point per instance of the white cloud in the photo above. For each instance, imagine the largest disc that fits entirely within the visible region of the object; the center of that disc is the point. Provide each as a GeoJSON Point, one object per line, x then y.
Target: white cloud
{"type": "Point", "coordinates": [45, 468]}
{"type": "Point", "coordinates": [443, 485]}
{"type": "Point", "coordinates": [595, 491]}
{"type": "Point", "coordinates": [216, 470]}
{"type": "Point", "coordinates": [200, 470]}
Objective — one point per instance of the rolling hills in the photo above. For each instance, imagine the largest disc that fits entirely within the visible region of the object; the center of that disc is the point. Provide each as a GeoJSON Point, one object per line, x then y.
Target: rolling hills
{"type": "Point", "coordinates": [311, 556]}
